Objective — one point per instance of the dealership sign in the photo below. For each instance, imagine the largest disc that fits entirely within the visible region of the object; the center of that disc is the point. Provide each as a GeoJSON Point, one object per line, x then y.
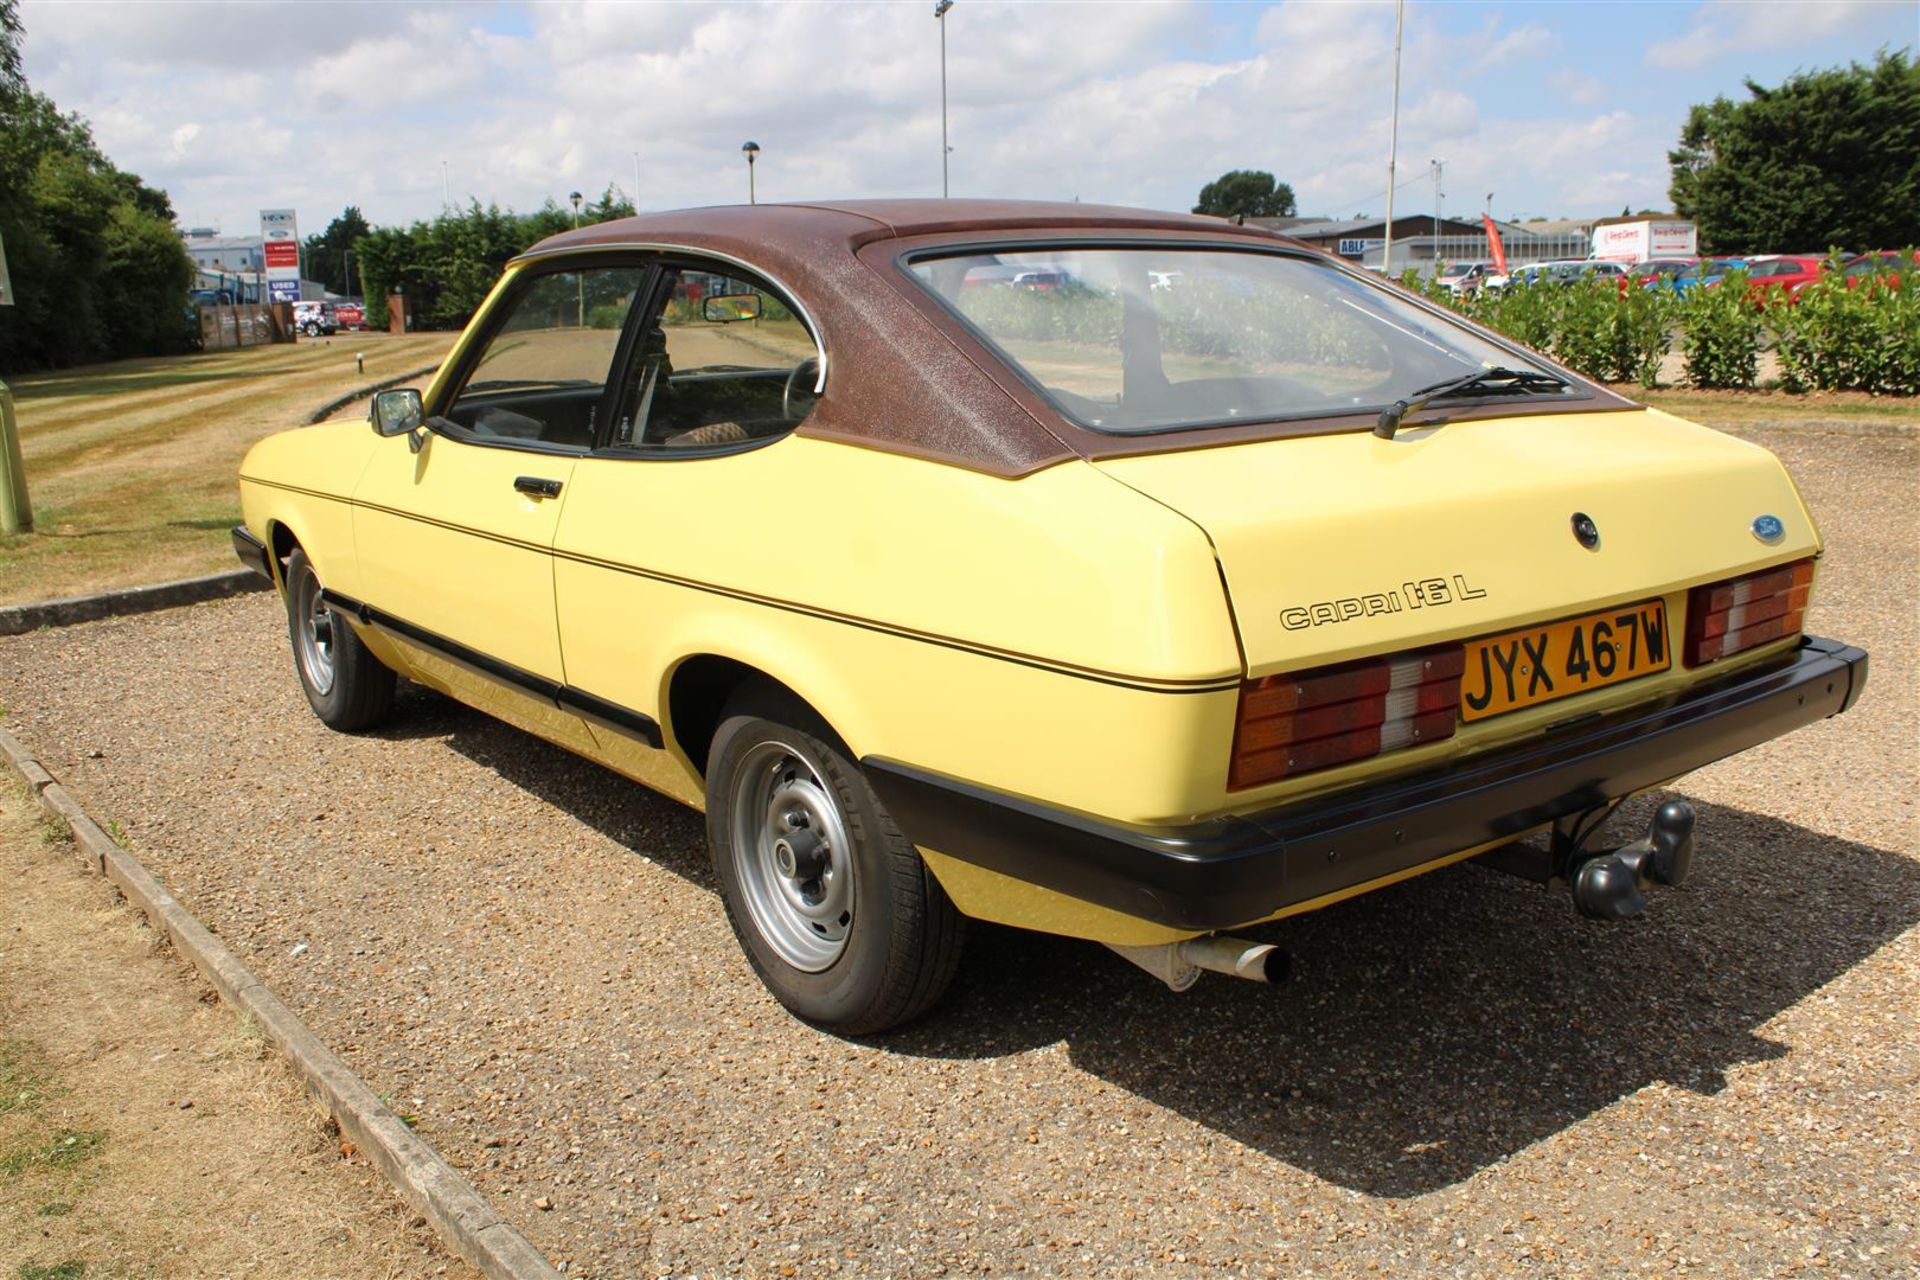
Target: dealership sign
{"type": "Point", "coordinates": [1359, 248]}
{"type": "Point", "coordinates": [281, 237]}
{"type": "Point", "coordinates": [1639, 240]}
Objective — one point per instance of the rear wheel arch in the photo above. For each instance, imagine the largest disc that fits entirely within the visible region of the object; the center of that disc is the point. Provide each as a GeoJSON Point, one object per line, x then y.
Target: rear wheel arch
{"type": "Point", "coordinates": [699, 692]}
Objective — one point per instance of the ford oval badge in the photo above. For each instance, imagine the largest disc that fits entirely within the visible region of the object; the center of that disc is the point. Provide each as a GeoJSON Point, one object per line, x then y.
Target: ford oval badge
{"type": "Point", "coordinates": [1585, 531]}
{"type": "Point", "coordinates": [1768, 529]}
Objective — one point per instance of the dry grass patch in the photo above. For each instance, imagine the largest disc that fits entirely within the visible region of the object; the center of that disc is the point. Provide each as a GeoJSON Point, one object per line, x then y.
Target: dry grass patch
{"type": "Point", "coordinates": [144, 1130]}
{"type": "Point", "coordinates": [131, 465]}
{"type": "Point", "coordinates": [1717, 408]}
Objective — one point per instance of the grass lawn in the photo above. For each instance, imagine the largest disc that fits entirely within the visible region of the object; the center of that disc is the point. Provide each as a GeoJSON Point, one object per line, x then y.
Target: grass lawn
{"type": "Point", "coordinates": [131, 465]}
{"type": "Point", "coordinates": [1734, 408]}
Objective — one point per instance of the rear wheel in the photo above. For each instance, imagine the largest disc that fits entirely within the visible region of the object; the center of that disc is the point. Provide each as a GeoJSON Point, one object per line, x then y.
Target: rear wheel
{"type": "Point", "coordinates": [346, 685]}
{"type": "Point", "coordinates": [836, 911]}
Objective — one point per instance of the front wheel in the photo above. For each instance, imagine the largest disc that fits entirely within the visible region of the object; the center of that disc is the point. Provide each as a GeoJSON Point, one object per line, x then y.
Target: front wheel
{"type": "Point", "coordinates": [346, 685]}
{"type": "Point", "coordinates": [835, 909]}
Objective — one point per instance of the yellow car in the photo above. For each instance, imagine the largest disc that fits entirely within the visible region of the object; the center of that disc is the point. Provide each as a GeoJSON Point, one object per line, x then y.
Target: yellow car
{"type": "Point", "coordinates": [1123, 575]}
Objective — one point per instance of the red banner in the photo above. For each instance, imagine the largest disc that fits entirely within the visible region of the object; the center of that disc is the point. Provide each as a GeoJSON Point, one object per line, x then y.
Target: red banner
{"type": "Point", "coordinates": [1498, 250]}
{"type": "Point", "coordinates": [283, 253]}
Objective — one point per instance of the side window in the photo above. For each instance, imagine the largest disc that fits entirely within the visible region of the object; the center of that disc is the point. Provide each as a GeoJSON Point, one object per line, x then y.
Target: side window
{"type": "Point", "coordinates": [544, 371]}
{"type": "Point", "coordinates": [722, 360]}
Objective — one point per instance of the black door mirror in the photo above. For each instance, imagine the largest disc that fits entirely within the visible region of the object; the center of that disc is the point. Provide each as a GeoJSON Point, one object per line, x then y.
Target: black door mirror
{"type": "Point", "coordinates": [396, 413]}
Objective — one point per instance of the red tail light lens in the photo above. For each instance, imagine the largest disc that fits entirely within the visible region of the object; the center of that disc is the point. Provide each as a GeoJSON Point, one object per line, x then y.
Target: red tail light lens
{"type": "Point", "coordinates": [1305, 720]}
{"type": "Point", "coordinates": [1725, 618]}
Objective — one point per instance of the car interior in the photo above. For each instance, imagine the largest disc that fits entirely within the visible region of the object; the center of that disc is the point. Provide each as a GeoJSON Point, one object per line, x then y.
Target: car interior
{"type": "Point", "coordinates": [718, 361]}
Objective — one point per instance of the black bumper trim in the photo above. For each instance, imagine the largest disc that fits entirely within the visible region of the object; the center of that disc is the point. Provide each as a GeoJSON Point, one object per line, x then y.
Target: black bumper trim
{"type": "Point", "coordinates": [1229, 871]}
{"type": "Point", "coordinates": [610, 715]}
{"type": "Point", "coordinates": [253, 553]}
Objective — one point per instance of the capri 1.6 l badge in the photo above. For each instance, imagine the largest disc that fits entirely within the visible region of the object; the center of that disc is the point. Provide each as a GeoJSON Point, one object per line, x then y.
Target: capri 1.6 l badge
{"type": "Point", "coordinates": [1426, 593]}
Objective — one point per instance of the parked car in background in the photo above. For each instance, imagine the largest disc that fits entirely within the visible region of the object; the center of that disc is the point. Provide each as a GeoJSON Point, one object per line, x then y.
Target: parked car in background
{"type": "Point", "coordinates": [1885, 266]}
{"type": "Point", "coordinates": [1083, 610]}
{"type": "Point", "coordinates": [315, 319]}
{"type": "Point", "coordinates": [1464, 277]}
{"type": "Point", "coordinates": [1639, 272]}
{"type": "Point", "coordinates": [1561, 272]}
{"type": "Point", "coordinates": [1773, 277]}
{"type": "Point", "coordinates": [1702, 274]}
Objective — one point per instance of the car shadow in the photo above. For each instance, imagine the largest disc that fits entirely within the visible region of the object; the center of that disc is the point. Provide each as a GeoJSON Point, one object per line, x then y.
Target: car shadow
{"type": "Point", "coordinates": [1431, 1029]}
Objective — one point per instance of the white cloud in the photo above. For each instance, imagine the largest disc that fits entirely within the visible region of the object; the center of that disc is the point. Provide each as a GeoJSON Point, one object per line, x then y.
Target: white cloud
{"type": "Point", "coordinates": [1579, 87]}
{"type": "Point", "coordinates": [1732, 26]}
{"type": "Point", "coordinates": [317, 106]}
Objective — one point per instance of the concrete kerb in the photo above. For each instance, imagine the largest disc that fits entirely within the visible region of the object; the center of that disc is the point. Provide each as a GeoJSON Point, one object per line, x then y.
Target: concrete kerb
{"type": "Point", "coordinates": [18, 619]}
{"type": "Point", "coordinates": [424, 1180]}
{"type": "Point", "coordinates": [340, 402]}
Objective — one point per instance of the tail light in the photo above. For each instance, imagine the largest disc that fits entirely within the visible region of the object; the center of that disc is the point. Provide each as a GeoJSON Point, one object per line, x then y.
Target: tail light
{"type": "Point", "coordinates": [1306, 720]}
{"type": "Point", "coordinates": [1725, 618]}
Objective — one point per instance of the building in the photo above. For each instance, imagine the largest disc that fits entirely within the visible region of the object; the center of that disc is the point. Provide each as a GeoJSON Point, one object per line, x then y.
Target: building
{"type": "Point", "coordinates": [212, 251]}
{"type": "Point", "coordinates": [1421, 239]}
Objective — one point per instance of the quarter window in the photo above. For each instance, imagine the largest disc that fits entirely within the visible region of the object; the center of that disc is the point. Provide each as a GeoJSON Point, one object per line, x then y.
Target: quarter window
{"type": "Point", "coordinates": [544, 372]}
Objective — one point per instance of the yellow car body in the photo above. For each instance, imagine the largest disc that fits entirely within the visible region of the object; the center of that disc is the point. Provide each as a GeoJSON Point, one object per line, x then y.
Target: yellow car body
{"type": "Point", "coordinates": [1040, 660]}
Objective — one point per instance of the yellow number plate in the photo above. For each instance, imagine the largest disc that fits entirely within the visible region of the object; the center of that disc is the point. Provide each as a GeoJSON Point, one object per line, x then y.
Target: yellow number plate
{"type": "Point", "coordinates": [1539, 664]}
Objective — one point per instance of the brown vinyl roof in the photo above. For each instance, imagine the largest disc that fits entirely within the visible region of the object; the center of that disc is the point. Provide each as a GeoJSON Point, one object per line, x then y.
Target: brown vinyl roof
{"type": "Point", "coordinates": [862, 221]}
{"type": "Point", "coordinates": [903, 374]}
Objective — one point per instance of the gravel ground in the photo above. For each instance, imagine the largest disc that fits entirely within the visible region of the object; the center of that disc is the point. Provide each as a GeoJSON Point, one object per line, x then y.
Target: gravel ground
{"type": "Point", "coordinates": [1463, 1079]}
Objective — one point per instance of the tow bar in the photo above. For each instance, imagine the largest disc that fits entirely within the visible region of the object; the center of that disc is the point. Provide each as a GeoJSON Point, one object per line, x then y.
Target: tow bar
{"type": "Point", "coordinates": [1611, 884]}
{"type": "Point", "coordinates": [1607, 884]}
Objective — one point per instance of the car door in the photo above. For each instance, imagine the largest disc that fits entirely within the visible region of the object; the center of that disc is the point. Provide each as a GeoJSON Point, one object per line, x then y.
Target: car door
{"type": "Point", "coordinates": [720, 367]}
{"type": "Point", "coordinates": [455, 538]}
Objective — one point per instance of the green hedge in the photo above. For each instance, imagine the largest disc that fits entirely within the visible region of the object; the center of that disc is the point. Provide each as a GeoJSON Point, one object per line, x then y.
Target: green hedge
{"type": "Point", "coordinates": [1829, 338]}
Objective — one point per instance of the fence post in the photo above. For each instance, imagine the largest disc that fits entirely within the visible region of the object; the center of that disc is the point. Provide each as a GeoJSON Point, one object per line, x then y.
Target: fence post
{"type": "Point", "coordinates": [16, 513]}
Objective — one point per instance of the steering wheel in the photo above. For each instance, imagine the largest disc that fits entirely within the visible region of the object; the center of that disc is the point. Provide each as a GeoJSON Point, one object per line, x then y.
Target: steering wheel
{"type": "Point", "coordinates": [804, 375]}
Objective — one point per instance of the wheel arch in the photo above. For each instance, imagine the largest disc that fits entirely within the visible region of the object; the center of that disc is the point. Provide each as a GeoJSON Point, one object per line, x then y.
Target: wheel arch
{"type": "Point", "coordinates": [700, 685]}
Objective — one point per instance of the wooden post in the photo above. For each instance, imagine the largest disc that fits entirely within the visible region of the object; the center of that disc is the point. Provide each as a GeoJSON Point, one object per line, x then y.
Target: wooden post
{"type": "Point", "coordinates": [16, 512]}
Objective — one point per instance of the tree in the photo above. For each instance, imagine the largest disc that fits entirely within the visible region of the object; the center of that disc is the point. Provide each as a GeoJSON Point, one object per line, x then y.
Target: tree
{"type": "Point", "coordinates": [327, 253]}
{"type": "Point", "coordinates": [98, 271]}
{"type": "Point", "coordinates": [447, 266]}
{"type": "Point", "coordinates": [1829, 159]}
{"type": "Point", "coordinates": [12, 82]}
{"type": "Point", "coordinates": [1249, 193]}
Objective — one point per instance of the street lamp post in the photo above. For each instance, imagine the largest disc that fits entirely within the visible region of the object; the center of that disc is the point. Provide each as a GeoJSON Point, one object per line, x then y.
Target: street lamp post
{"type": "Point", "coordinates": [752, 152]}
{"type": "Point", "coordinates": [1439, 166]}
{"type": "Point", "coordinates": [1393, 137]}
{"type": "Point", "coordinates": [579, 281]}
{"type": "Point", "coordinates": [940, 15]}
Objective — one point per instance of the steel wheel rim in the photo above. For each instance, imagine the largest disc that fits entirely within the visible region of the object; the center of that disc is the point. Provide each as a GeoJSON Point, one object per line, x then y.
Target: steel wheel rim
{"type": "Point", "coordinates": [793, 856]}
{"type": "Point", "coordinates": [314, 637]}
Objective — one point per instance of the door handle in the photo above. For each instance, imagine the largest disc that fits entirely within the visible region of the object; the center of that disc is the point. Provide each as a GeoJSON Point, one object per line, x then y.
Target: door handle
{"type": "Point", "coordinates": [535, 487]}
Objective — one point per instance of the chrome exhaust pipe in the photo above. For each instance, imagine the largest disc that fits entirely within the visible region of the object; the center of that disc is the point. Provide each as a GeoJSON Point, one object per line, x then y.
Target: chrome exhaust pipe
{"type": "Point", "coordinates": [1178, 964]}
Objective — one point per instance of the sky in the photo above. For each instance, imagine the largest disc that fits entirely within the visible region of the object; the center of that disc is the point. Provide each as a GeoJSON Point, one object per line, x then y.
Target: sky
{"type": "Point", "coordinates": [1553, 109]}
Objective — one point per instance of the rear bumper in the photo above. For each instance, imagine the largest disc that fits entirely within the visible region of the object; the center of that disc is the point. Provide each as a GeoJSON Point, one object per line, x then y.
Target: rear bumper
{"type": "Point", "coordinates": [253, 553]}
{"type": "Point", "coordinates": [1229, 871]}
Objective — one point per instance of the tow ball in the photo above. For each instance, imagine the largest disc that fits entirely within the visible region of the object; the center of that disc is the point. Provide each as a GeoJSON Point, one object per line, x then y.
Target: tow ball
{"type": "Point", "coordinates": [1611, 884]}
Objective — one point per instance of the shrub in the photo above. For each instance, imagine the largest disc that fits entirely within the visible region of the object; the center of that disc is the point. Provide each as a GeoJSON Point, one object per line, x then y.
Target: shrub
{"type": "Point", "coordinates": [1866, 338]}
{"type": "Point", "coordinates": [1720, 329]}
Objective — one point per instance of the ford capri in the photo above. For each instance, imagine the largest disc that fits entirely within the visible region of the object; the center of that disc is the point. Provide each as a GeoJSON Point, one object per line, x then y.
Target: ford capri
{"type": "Point", "coordinates": [1211, 583]}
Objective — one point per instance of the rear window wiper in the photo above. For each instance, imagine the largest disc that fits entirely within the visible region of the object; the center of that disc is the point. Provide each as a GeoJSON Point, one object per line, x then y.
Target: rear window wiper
{"type": "Point", "coordinates": [1486, 382]}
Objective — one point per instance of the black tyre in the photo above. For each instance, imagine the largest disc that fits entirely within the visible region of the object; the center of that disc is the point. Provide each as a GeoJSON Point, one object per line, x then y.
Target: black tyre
{"type": "Point", "coordinates": [347, 686]}
{"type": "Point", "coordinates": [836, 911]}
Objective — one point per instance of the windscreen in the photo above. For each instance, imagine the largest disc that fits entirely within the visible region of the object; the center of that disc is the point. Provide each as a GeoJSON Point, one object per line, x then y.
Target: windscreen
{"type": "Point", "coordinates": [1150, 338]}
